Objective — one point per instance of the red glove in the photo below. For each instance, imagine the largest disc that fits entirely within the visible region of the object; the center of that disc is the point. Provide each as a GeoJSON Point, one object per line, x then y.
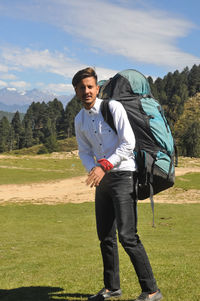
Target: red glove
{"type": "Point", "coordinates": [105, 164]}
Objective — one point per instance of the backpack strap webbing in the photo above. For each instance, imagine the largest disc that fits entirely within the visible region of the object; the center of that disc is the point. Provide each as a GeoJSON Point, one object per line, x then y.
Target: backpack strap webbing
{"type": "Point", "coordinates": [150, 166]}
{"type": "Point", "coordinates": [105, 111]}
{"type": "Point", "coordinates": [152, 203]}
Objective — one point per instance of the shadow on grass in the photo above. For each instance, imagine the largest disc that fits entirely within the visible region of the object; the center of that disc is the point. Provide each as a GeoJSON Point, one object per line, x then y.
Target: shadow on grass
{"type": "Point", "coordinates": [78, 297]}
{"type": "Point", "coordinates": [32, 293]}
{"type": "Point", "coordinates": [40, 293]}
{"type": "Point", "coordinates": [70, 297]}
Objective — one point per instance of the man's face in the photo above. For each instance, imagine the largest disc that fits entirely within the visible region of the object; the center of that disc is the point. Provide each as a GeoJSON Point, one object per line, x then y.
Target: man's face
{"type": "Point", "coordinates": [86, 91]}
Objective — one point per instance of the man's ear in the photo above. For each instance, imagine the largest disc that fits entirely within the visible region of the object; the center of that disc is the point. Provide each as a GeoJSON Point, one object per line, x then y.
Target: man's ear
{"type": "Point", "coordinates": [98, 87]}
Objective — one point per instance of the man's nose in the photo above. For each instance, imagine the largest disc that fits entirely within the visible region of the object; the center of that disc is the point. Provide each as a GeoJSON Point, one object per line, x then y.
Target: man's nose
{"type": "Point", "coordinates": [87, 90]}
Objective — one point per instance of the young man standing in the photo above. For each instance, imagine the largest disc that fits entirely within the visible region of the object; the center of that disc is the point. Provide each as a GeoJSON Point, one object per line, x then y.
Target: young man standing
{"type": "Point", "coordinates": [109, 159]}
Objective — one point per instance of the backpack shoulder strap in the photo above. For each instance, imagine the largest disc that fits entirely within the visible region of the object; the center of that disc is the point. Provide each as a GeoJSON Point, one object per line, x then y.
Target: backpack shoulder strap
{"type": "Point", "coordinates": [105, 111]}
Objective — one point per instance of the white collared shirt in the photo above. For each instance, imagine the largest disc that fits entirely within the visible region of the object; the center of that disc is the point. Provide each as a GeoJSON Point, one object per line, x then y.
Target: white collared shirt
{"type": "Point", "coordinates": [96, 139]}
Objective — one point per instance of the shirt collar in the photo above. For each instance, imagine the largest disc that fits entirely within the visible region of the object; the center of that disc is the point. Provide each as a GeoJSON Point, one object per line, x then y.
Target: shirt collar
{"type": "Point", "coordinates": [96, 107]}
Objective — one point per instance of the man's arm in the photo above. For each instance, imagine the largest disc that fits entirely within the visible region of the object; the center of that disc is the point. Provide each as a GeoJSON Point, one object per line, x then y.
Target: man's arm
{"type": "Point", "coordinates": [85, 149]}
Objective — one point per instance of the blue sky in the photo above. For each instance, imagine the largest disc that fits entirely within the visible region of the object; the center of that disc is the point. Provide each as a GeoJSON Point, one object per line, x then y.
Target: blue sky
{"type": "Point", "coordinates": [44, 42]}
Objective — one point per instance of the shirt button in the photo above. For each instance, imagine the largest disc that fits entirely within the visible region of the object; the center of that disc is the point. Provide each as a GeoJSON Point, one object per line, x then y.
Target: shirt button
{"type": "Point", "coordinates": [95, 132]}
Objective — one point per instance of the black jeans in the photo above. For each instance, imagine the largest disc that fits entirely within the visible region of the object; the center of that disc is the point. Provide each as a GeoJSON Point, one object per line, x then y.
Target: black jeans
{"type": "Point", "coordinates": [116, 208]}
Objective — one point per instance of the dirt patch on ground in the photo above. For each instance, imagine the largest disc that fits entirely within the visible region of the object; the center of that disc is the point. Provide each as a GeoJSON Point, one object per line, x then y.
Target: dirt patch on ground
{"type": "Point", "coordinates": [75, 191]}
{"type": "Point", "coordinates": [64, 191]}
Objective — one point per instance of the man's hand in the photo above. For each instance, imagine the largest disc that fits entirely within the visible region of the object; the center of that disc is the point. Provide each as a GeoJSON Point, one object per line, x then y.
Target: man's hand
{"type": "Point", "coordinates": [95, 176]}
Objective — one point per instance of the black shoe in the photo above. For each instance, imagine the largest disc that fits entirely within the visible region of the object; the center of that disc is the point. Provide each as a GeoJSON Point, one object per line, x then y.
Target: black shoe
{"type": "Point", "coordinates": [145, 297]}
{"type": "Point", "coordinates": [104, 294]}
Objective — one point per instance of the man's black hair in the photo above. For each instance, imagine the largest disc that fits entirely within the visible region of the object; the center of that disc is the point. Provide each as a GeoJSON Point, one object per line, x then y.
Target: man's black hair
{"type": "Point", "coordinates": [87, 72]}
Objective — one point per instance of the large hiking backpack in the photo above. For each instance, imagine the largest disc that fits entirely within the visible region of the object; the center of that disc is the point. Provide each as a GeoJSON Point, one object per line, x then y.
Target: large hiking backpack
{"type": "Point", "coordinates": [155, 149]}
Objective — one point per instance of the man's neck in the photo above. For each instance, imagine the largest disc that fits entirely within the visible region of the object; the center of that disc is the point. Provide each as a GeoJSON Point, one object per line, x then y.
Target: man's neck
{"type": "Point", "coordinates": [89, 105]}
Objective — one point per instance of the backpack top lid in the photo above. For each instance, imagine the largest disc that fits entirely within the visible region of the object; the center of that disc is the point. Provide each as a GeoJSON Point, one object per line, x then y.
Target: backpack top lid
{"type": "Point", "coordinates": [137, 80]}
{"type": "Point", "coordinates": [124, 85]}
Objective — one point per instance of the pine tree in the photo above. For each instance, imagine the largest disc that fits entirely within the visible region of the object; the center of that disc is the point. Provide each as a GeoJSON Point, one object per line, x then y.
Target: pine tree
{"type": "Point", "coordinates": [28, 124]}
{"type": "Point", "coordinates": [191, 140]}
{"type": "Point", "coordinates": [28, 133]}
{"type": "Point", "coordinates": [51, 143]}
{"type": "Point", "coordinates": [17, 130]}
{"type": "Point", "coordinates": [187, 128]}
{"type": "Point", "coordinates": [160, 92]}
{"type": "Point", "coordinates": [56, 114]}
{"type": "Point", "coordinates": [153, 88]}
{"type": "Point", "coordinates": [4, 134]}
{"type": "Point", "coordinates": [73, 107]}
{"type": "Point", "coordinates": [194, 80]}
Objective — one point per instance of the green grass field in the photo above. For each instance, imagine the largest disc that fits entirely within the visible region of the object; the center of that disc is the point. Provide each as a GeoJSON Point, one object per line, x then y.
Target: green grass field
{"type": "Point", "coordinates": [23, 169]}
{"type": "Point", "coordinates": [188, 181]}
{"type": "Point", "coordinates": [52, 252]}
{"type": "Point", "coordinates": [29, 169]}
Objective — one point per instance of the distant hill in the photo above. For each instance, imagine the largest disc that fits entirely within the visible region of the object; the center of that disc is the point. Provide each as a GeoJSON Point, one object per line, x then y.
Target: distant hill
{"type": "Point", "coordinates": [9, 116]}
{"type": "Point", "coordinates": [13, 108]}
{"type": "Point", "coordinates": [12, 100]}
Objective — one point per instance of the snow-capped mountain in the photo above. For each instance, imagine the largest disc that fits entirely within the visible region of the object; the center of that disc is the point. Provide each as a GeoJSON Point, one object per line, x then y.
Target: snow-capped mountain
{"type": "Point", "coordinates": [12, 100]}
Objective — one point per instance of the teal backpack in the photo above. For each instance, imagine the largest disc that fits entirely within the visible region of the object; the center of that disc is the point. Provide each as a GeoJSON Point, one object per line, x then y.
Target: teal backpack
{"type": "Point", "coordinates": [155, 148]}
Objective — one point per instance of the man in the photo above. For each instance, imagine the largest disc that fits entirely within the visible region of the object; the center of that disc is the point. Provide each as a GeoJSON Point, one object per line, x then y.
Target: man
{"type": "Point", "coordinates": [109, 159]}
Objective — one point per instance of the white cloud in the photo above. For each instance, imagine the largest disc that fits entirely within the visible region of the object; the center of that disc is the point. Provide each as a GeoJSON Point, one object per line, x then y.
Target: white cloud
{"type": "Point", "coordinates": [105, 73]}
{"type": "Point", "coordinates": [8, 76]}
{"type": "Point", "coordinates": [3, 68]}
{"type": "Point", "coordinates": [142, 35]}
{"type": "Point", "coordinates": [15, 58]}
{"type": "Point", "coordinates": [19, 84]}
{"type": "Point", "coordinates": [60, 88]}
{"type": "Point", "coordinates": [3, 84]}
{"type": "Point", "coordinates": [44, 60]}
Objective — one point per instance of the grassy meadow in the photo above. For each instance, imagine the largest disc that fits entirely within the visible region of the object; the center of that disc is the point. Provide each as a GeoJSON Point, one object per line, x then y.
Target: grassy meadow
{"type": "Point", "coordinates": [24, 168]}
{"type": "Point", "coordinates": [52, 252]}
{"type": "Point", "coordinates": [32, 169]}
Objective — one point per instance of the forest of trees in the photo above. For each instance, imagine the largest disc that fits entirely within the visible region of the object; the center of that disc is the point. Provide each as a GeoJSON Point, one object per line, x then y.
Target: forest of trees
{"type": "Point", "coordinates": [46, 123]}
